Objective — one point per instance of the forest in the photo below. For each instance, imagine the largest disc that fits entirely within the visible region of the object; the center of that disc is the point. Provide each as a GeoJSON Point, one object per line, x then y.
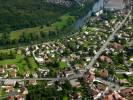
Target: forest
{"type": "Point", "coordinates": [19, 14]}
{"type": "Point", "coordinates": [23, 22]}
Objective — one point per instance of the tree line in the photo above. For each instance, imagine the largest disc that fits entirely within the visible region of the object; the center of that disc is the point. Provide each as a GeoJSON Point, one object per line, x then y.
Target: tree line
{"type": "Point", "coordinates": [7, 55]}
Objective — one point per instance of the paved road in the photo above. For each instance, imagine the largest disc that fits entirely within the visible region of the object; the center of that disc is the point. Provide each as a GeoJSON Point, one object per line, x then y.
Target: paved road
{"type": "Point", "coordinates": [75, 76]}
{"type": "Point", "coordinates": [127, 73]}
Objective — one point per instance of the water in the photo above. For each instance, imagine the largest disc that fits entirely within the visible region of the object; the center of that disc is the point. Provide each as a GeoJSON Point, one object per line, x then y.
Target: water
{"type": "Point", "coordinates": [82, 21]}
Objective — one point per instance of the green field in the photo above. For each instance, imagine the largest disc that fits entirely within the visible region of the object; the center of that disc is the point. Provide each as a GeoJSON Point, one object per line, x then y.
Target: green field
{"type": "Point", "coordinates": [63, 65]}
{"type": "Point", "coordinates": [33, 63]}
{"type": "Point", "coordinates": [63, 22]}
{"type": "Point", "coordinates": [2, 92]}
{"type": "Point", "coordinates": [16, 34]}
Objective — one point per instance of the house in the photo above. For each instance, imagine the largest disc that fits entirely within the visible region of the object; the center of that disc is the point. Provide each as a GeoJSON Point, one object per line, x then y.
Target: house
{"type": "Point", "coordinates": [13, 66]}
{"type": "Point", "coordinates": [114, 4]}
{"type": "Point", "coordinates": [10, 98]}
{"type": "Point", "coordinates": [112, 95]}
{"type": "Point", "coordinates": [106, 58]}
{"type": "Point", "coordinates": [35, 75]}
{"type": "Point", "coordinates": [21, 83]}
{"type": "Point", "coordinates": [27, 74]}
{"type": "Point", "coordinates": [23, 90]}
{"type": "Point", "coordinates": [10, 82]}
{"type": "Point", "coordinates": [104, 73]}
{"type": "Point", "coordinates": [99, 13]}
{"type": "Point", "coordinates": [28, 53]}
{"type": "Point", "coordinates": [8, 88]}
{"type": "Point", "coordinates": [6, 75]}
{"type": "Point", "coordinates": [117, 46]}
{"type": "Point", "coordinates": [75, 96]}
{"type": "Point", "coordinates": [50, 83]}
{"type": "Point", "coordinates": [90, 76]}
{"type": "Point", "coordinates": [33, 82]}
{"type": "Point", "coordinates": [75, 83]}
{"type": "Point", "coordinates": [102, 58]}
{"type": "Point", "coordinates": [59, 88]}
{"type": "Point", "coordinates": [20, 97]}
{"type": "Point", "coordinates": [86, 32]}
{"type": "Point", "coordinates": [2, 70]}
{"type": "Point", "coordinates": [13, 73]}
{"type": "Point", "coordinates": [88, 59]}
{"type": "Point", "coordinates": [126, 92]}
{"type": "Point", "coordinates": [39, 59]}
{"type": "Point", "coordinates": [69, 73]}
{"type": "Point", "coordinates": [94, 92]}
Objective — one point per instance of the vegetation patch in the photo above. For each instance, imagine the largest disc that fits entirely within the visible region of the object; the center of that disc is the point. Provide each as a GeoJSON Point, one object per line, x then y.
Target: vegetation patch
{"type": "Point", "coordinates": [63, 65]}
{"type": "Point", "coordinates": [21, 61]}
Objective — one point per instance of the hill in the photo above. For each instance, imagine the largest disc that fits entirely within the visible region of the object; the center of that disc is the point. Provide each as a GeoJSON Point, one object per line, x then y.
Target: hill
{"type": "Point", "coordinates": [36, 21]}
{"type": "Point", "coordinates": [19, 14]}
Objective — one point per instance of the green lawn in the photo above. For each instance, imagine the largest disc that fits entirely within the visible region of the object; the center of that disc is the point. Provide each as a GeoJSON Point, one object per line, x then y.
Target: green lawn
{"type": "Point", "coordinates": [33, 63]}
{"type": "Point", "coordinates": [2, 92]}
{"type": "Point", "coordinates": [64, 21]}
{"type": "Point", "coordinates": [63, 65]}
{"type": "Point", "coordinates": [16, 34]}
{"type": "Point", "coordinates": [65, 98]}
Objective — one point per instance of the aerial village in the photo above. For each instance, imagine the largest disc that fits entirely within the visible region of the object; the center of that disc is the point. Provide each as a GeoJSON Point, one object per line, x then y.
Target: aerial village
{"type": "Point", "coordinates": [110, 77]}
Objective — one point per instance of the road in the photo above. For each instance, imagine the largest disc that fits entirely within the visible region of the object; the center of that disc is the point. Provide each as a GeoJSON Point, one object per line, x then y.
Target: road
{"type": "Point", "coordinates": [118, 26]}
{"type": "Point", "coordinates": [127, 73]}
{"type": "Point", "coordinates": [75, 76]}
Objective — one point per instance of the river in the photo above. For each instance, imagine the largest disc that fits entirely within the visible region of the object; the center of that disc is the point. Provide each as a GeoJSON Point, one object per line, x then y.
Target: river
{"type": "Point", "coordinates": [82, 21]}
